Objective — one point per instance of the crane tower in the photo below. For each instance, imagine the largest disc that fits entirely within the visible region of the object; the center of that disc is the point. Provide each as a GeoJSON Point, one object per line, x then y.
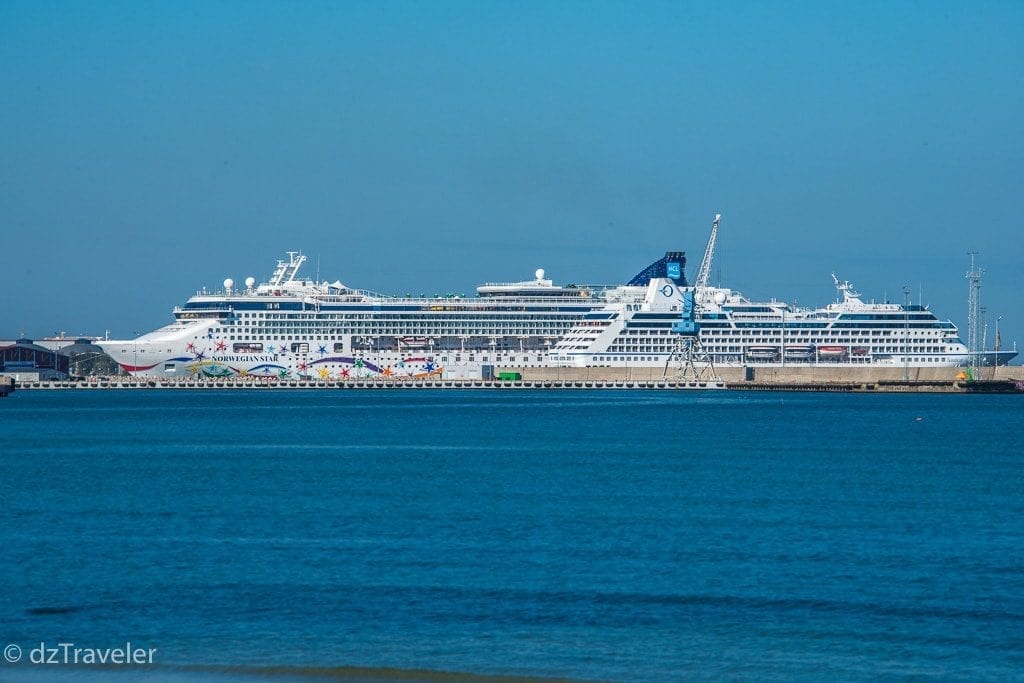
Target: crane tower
{"type": "Point", "coordinates": [693, 361]}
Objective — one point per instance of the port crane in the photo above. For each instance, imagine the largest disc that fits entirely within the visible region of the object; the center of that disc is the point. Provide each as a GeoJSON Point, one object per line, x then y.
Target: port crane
{"type": "Point", "coordinates": [704, 274]}
{"type": "Point", "coordinates": [693, 361]}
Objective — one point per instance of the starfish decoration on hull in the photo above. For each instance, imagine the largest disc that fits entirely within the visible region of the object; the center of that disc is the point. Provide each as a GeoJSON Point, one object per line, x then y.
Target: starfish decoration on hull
{"type": "Point", "coordinates": [221, 346]}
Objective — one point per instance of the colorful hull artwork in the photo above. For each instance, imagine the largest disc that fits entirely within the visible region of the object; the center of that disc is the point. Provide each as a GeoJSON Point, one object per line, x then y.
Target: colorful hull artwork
{"type": "Point", "coordinates": [328, 368]}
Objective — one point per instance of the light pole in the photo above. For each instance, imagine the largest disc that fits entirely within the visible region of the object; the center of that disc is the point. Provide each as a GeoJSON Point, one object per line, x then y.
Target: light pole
{"type": "Point", "coordinates": [906, 334]}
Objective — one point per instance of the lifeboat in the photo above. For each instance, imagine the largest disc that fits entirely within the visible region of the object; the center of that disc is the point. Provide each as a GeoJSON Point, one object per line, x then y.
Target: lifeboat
{"type": "Point", "coordinates": [831, 352]}
{"type": "Point", "coordinates": [762, 352]}
{"type": "Point", "coordinates": [414, 342]}
{"type": "Point", "coordinates": [799, 351]}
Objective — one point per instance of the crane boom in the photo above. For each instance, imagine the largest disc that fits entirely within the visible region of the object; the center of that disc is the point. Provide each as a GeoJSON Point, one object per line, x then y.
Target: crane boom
{"type": "Point", "coordinates": [704, 274]}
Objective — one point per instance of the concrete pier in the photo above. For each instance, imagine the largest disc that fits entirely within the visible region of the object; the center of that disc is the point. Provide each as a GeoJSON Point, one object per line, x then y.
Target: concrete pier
{"type": "Point", "coordinates": [1008, 379]}
{"type": "Point", "coordinates": [766, 374]}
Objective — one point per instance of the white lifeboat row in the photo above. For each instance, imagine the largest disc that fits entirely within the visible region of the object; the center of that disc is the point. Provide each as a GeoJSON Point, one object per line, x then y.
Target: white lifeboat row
{"type": "Point", "coordinates": [804, 351]}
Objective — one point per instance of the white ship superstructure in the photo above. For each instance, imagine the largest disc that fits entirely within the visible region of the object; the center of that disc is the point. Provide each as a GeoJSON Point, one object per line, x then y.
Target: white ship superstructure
{"type": "Point", "coordinates": [295, 327]}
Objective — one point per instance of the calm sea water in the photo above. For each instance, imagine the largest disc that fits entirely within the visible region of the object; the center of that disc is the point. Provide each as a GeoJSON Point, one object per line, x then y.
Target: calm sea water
{"type": "Point", "coordinates": [593, 535]}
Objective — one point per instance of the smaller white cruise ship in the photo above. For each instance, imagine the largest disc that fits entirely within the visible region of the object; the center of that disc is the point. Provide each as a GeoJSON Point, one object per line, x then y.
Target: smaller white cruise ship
{"type": "Point", "coordinates": [735, 331]}
{"type": "Point", "coordinates": [635, 329]}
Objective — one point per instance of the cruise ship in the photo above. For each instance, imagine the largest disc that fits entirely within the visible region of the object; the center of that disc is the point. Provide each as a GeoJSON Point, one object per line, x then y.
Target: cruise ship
{"type": "Point", "coordinates": [640, 329]}
{"type": "Point", "coordinates": [735, 331]}
{"type": "Point", "coordinates": [293, 327]}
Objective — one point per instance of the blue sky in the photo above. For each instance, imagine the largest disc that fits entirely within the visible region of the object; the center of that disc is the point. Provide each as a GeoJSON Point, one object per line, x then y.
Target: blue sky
{"type": "Point", "coordinates": [150, 149]}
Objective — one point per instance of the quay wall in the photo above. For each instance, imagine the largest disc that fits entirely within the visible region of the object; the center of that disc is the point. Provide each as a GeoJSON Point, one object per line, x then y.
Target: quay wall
{"type": "Point", "coordinates": [999, 380]}
{"type": "Point", "coordinates": [782, 375]}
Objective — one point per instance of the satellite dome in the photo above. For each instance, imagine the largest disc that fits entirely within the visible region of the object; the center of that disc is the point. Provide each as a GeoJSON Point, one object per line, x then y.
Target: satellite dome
{"type": "Point", "coordinates": [719, 298]}
{"type": "Point", "coordinates": [229, 283]}
{"type": "Point", "coordinates": [250, 281]}
{"type": "Point", "coordinates": [540, 273]}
